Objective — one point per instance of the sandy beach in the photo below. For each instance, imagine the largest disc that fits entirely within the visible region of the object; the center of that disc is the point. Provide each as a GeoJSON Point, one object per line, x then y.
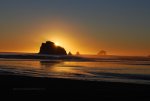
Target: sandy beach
{"type": "Point", "coordinates": [74, 89]}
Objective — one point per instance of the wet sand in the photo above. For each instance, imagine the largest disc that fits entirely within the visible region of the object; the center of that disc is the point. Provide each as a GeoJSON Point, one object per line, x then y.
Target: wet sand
{"type": "Point", "coordinates": [71, 89]}
{"type": "Point", "coordinates": [55, 88]}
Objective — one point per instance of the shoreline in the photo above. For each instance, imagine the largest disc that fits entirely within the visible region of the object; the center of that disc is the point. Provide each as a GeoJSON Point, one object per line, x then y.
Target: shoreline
{"type": "Point", "coordinates": [18, 85]}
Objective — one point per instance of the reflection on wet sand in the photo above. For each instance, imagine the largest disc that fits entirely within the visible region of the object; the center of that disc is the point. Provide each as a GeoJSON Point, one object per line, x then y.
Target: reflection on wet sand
{"type": "Point", "coordinates": [48, 64]}
{"type": "Point", "coordinates": [88, 70]}
{"type": "Point", "coordinates": [60, 67]}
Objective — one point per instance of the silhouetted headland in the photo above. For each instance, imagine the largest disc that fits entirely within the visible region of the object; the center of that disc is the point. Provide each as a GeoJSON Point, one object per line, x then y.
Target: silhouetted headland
{"type": "Point", "coordinates": [51, 49]}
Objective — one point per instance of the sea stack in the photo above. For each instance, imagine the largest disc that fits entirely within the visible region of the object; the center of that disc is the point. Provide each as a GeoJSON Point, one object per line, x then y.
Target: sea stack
{"type": "Point", "coordinates": [102, 52]}
{"type": "Point", "coordinates": [69, 53]}
{"type": "Point", "coordinates": [51, 49]}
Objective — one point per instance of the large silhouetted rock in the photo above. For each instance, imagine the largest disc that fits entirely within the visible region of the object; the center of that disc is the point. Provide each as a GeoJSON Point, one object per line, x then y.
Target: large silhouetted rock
{"type": "Point", "coordinates": [51, 49]}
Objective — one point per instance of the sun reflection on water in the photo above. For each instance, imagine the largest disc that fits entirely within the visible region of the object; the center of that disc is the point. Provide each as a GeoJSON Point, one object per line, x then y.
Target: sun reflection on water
{"type": "Point", "coordinates": [72, 69]}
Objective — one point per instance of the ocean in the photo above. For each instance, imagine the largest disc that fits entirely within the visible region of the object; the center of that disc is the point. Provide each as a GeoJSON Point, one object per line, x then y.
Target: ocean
{"type": "Point", "coordinates": [126, 69]}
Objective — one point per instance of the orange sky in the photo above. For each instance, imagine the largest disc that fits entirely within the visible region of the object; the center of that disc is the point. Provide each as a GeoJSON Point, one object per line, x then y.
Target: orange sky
{"type": "Point", "coordinates": [72, 37]}
{"type": "Point", "coordinates": [122, 28]}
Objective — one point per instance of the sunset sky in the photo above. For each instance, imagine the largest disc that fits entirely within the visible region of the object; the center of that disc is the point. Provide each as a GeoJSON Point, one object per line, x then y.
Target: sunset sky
{"type": "Point", "coordinates": [120, 27]}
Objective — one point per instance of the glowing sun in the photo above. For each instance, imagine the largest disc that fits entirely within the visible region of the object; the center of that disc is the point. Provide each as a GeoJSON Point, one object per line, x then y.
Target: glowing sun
{"type": "Point", "coordinates": [57, 43]}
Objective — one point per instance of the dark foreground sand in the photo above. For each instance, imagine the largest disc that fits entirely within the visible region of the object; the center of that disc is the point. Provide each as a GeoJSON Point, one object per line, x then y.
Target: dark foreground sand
{"type": "Point", "coordinates": [70, 89]}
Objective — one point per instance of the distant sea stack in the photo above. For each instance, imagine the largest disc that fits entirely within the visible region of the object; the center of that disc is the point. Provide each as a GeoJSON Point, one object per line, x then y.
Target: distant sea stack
{"type": "Point", "coordinates": [51, 49]}
{"type": "Point", "coordinates": [77, 53]}
{"type": "Point", "coordinates": [102, 52]}
{"type": "Point", "coordinates": [69, 53]}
